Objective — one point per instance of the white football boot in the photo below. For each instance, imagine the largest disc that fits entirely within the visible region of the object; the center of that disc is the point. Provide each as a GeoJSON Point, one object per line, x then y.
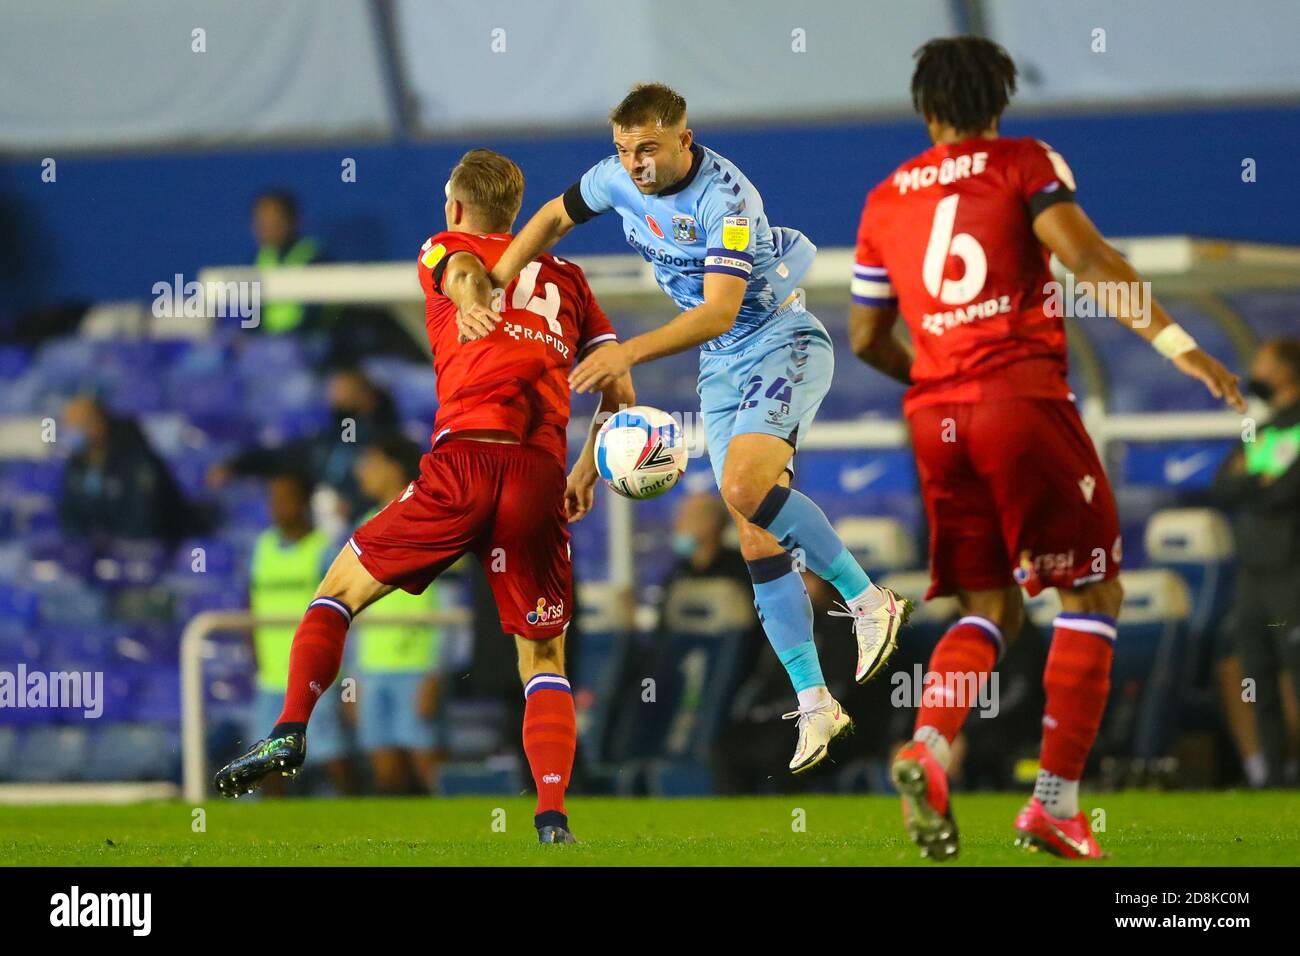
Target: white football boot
{"type": "Point", "coordinates": [877, 631]}
{"type": "Point", "coordinates": [817, 728]}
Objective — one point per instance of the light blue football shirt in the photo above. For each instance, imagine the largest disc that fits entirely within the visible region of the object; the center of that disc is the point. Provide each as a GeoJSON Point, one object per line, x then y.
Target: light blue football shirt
{"type": "Point", "coordinates": [710, 221]}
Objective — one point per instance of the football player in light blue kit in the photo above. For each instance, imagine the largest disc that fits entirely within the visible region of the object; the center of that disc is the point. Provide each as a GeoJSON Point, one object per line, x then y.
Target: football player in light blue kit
{"type": "Point", "coordinates": [765, 366]}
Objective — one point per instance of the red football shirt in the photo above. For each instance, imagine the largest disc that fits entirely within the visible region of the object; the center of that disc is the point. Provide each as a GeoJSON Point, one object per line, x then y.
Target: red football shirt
{"type": "Point", "coordinates": [516, 379]}
{"type": "Point", "coordinates": [949, 239]}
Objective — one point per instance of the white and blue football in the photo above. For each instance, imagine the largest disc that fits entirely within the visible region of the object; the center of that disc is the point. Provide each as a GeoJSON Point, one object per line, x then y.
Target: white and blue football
{"type": "Point", "coordinates": [641, 452]}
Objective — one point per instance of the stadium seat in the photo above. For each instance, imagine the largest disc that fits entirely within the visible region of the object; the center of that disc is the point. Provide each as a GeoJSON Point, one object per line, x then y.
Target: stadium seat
{"type": "Point", "coordinates": [133, 752]}
{"type": "Point", "coordinates": [1149, 659]}
{"type": "Point", "coordinates": [603, 662]}
{"type": "Point", "coordinates": [880, 544]}
{"type": "Point", "coordinates": [8, 751]}
{"type": "Point", "coordinates": [497, 776]}
{"type": "Point", "coordinates": [930, 619]}
{"type": "Point", "coordinates": [1196, 544]}
{"type": "Point", "coordinates": [50, 753]}
{"type": "Point", "coordinates": [695, 668]}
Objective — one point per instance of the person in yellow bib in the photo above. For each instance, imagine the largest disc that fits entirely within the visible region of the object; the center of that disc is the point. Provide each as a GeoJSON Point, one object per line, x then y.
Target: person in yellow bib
{"type": "Point", "coordinates": [288, 560]}
{"type": "Point", "coordinates": [398, 666]}
{"type": "Point", "coordinates": [275, 227]}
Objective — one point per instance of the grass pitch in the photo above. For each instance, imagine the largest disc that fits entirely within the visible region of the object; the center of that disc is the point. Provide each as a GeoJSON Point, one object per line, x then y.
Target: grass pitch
{"type": "Point", "coordinates": [1150, 829]}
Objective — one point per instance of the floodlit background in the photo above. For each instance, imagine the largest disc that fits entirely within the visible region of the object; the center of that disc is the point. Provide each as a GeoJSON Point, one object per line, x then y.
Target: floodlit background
{"type": "Point", "coordinates": [134, 139]}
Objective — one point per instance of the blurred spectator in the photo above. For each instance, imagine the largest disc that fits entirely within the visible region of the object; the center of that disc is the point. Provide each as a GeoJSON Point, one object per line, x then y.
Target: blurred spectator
{"type": "Point", "coordinates": [363, 412]}
{"type": "Point", "coordinates": [114, 484]}
{"type": "Point", "coordinates": [275, 228]}
{"type": "Point", "coordinates": [698, 529]}
{"type": "Point", "coordinates": [1260, 485]}
{"type": "Point", "coordinates": [398, 665]}
{"type": "Point", "coordinates": [289, 559]}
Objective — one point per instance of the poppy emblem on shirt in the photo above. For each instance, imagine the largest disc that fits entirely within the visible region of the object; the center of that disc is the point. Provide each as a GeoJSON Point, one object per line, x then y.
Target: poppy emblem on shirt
{"type": "Point", "coordinates": [654, 226]}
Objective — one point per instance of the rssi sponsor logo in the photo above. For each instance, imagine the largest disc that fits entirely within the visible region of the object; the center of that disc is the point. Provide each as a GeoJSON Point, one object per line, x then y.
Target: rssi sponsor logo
{"type": "Point", "coordinates": [546, 613]}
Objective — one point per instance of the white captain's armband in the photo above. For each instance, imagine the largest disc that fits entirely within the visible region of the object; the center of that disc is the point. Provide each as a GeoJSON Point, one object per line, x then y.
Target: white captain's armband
{"type": "Point", "coordinates": [871, 286]}
{"type": "Point", "coordinates": [729, 262]}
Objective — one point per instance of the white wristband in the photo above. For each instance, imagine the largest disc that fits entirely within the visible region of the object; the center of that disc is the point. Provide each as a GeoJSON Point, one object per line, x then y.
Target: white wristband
{"type": "Point", "coordinates": [1173, 341]}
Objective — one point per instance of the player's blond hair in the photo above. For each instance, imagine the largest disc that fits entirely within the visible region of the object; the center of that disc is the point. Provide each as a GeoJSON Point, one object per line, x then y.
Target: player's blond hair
{"type": "Point", "coordinates": [649, 103]}
{"type": "Point", "coordinates": [491, 186]}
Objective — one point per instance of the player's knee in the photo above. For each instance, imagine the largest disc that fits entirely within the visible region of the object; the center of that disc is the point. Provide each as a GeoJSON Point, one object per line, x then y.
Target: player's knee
{"type": "Point", "coordinates": [544, 656]}
{"type": "Point", "coordinates": [1101, 597]}
{"type": "Point", "coordinates": [743, 493]}
{"type": "Point", "coordinates": [348, 581]}
{"type": "Point", "coordinates": [1010, 621]}
{"type": "Point", "coordinates": [1110, 597]}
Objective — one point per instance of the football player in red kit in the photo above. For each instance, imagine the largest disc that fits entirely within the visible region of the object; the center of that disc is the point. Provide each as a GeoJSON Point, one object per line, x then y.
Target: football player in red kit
{"type": "Point", "coordinates": [492, 485]}
{"type": "Point", "coordinates": [958, 241]}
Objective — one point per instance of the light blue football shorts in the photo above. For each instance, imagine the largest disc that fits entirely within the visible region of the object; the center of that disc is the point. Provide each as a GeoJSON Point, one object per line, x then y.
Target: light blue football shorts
{"type": "Point", "coordinates": [771, 383]}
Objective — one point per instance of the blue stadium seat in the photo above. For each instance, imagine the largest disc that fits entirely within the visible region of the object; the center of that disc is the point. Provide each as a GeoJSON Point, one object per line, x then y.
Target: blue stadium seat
{"type": "Point", "coordinates": [1196, 544]}
{"type": "Point", "coordinates": [50, 754]}
{"type": "Point", "coordinates": [931, 618]}
{"type": "Point", "coordinates": [133, 752]}
{"type": "Point", "coordinates": [8, 751]}
{"type": "Point", "coordinates": [603, 663]}
{"type": "Point", "coordinates": [476, 728]}
{"type": "Point", "coordinates": [67, 600]}
{"type": "Point", "coordinates": [14, 361]}
{"type": "Point", "coordinates": [156, 693]}
{"type": "Point", "coordinates": [695, 671]}
{"type": "Point", "coordinates": [1268, 312]}
{"type": "Point", "coordinates": [1139, 380]}
{"type": "Point", "coordinates": [879, 544]}
{"type": "Point", "coordinates": [1150, 657]}
{"type": "Point", "coordinates": [879, 482]}
{"type": "Point", "coordinates": [501, 776]}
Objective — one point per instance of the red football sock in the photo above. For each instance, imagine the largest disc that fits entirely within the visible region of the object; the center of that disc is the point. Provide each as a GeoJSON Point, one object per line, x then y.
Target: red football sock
{"type": "Point", "coordinates": [550, 739]}
{"type": "Point", "coordinates": [315, 657]}
{"type": "Point", "coordinates": [971, 646]}
{"type": "Point", "coordinates": [1077, 682]}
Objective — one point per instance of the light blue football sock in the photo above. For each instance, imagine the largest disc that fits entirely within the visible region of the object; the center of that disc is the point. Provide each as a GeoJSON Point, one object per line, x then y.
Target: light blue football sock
{"type": "Point", "coordinates": [795, 520]}
{"type": "Point", "coordinates": [787, 617]}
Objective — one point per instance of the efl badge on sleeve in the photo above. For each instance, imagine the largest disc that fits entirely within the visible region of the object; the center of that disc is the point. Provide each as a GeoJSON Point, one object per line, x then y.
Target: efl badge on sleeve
{"type": "Point", "coordinates": [735, 233]}
{"type": "Point", "coordinates": [434, 256]}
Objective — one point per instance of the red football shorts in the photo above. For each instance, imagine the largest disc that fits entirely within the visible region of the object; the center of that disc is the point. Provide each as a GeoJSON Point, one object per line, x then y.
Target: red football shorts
{"type": "Point", "coordinates": [1009, 476]}
{"type": "Point", "coordinates": [505, 504]}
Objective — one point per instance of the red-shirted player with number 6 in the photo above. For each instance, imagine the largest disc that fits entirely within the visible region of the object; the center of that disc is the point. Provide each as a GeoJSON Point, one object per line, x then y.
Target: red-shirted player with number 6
{"type": "Point", "coordinates": [493, 484]}
{"type": "Point", "coordinates": [958, 241]}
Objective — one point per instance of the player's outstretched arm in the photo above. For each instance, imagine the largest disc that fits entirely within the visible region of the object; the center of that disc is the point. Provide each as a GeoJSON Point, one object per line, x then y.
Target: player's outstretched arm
{"type": "Point", "coordinates": [872, 338]}
{"type": "Point", "coordinates": [580, 489]}
{"type": "Point", "coordinates": [723, 295]}
{"type": "Point", "coordinates": [465, 281]}
{"type": "Point", "coordinates": [1066, 230]}
{"type": "Point", "coordinates": [547, 227]}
